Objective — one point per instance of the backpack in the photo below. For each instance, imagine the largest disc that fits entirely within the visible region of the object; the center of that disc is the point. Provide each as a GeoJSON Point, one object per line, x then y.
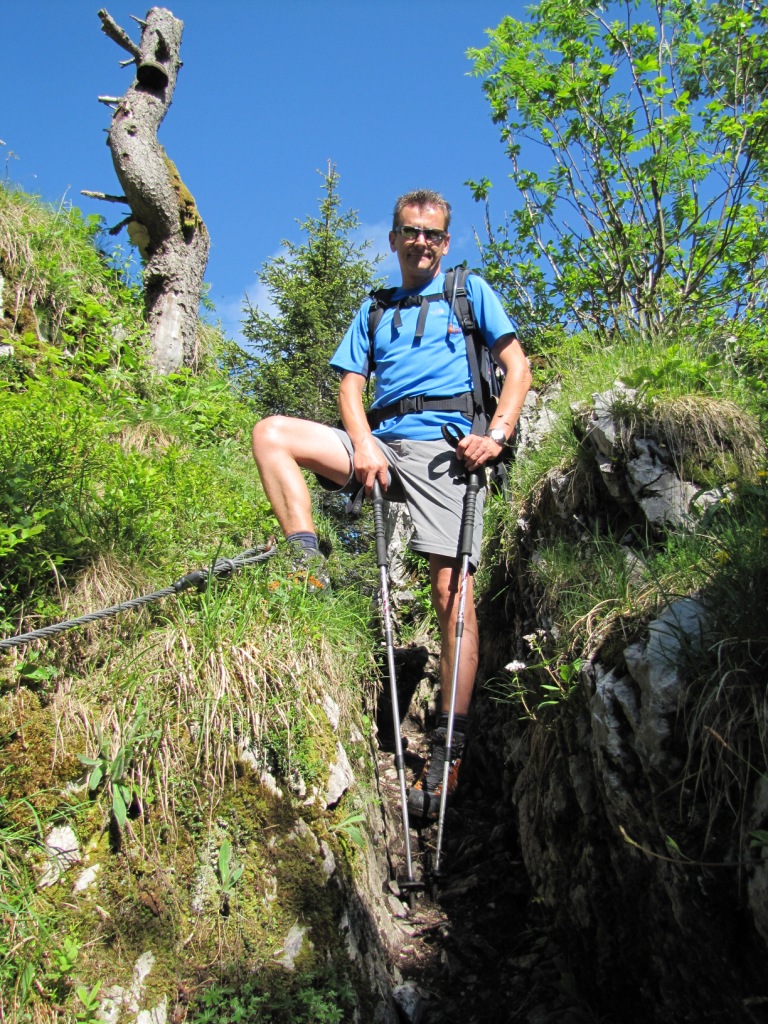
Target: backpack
{"type": "Point", "coordinates": [480, 402]}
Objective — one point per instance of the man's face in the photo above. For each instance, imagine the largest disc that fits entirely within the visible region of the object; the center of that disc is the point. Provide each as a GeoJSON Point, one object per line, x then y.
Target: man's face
{"type": "Point", "coordinates": [419, 257]}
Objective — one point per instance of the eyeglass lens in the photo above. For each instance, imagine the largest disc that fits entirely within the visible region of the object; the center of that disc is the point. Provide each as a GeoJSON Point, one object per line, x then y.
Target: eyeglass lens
{"type": "Point", "coordinates": [411, 232]}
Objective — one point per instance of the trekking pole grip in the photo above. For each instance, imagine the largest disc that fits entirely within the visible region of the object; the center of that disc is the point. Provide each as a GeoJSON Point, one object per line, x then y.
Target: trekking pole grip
{"type": "Point", "coordinates": [475, 481]}
{"type": "Point", "coordinates": [378, 525]}
{"type": "Point", "coordinates": [468, 522]}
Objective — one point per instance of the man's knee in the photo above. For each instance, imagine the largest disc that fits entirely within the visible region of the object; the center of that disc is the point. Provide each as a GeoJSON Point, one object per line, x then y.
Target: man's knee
{"type": "Point", "coordinates": [269, 434]}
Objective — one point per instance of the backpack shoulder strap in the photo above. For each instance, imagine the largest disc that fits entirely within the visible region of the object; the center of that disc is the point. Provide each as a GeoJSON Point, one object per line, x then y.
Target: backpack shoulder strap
{"type": "Point", "coordinates": [384, 299]}
{"type": "Point", "coordinates": [477, 353]}
{"type": "Point", "coordinates": [381, 299]}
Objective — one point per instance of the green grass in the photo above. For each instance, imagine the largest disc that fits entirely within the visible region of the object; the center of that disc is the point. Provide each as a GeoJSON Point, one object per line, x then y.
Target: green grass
{"type": "Point", "coordinates": [599, 586]}
{"type": "Point", "coordinates": [114, 484]}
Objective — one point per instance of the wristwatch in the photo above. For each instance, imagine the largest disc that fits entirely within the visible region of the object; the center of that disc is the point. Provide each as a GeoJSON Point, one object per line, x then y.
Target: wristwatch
{"type": "Point", "coordinates": [497, 434]}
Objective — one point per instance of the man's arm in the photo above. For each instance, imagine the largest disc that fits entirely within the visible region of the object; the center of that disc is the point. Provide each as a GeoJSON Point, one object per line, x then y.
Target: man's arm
{"type": "Point", "coordinates": [475, 450]}
{"type": "Point", "coordinates": [369, 461]}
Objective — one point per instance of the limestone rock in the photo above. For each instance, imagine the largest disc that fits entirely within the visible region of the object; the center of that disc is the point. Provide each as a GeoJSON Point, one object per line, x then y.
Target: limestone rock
{"type": "Point", "coordinates": [292, 946]}
{"type": "Point", "coordinates": [63, 851]}
{"type": "Point", "coordinates": [340, 778]}
{"type": "Point", "coordinates": [656, 665]}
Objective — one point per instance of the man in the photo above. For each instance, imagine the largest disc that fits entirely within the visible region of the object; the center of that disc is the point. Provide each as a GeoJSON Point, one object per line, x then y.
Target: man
{"type": "Point", "coordinates": [415, 352]}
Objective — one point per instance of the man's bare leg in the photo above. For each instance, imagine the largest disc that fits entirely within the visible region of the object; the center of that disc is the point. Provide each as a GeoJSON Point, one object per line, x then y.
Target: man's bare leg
{"type": "Point", "coordinates": [445, 575]}
{"type": "Point", "coordinates": [282, 447]}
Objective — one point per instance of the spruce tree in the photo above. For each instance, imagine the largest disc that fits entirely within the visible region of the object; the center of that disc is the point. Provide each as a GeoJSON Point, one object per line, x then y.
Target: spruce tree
{"type": "Point", "coordinates": [315, 289]}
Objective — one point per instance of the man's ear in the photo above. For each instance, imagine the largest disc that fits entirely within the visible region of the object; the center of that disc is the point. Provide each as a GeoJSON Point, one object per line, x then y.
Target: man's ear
{"type": "Point", "coordinates": [392, 237]}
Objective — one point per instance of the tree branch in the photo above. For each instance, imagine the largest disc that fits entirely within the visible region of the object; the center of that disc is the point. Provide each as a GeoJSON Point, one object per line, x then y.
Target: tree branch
{"type": "Point", "coordinates": [123, 223]}
{"type": "Point", "coordinates": [116, 34]}
{"type": "Point", "coordinates": [104, 196]}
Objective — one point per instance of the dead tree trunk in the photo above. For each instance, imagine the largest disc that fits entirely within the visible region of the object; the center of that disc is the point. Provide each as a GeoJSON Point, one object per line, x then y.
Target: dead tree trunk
{"type": "Point", "coordinates": [164, 221]}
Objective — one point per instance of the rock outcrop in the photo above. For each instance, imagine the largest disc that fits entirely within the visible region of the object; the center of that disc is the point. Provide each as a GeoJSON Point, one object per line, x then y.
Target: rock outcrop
{"type": "Point", "coordinates": [637, 849]}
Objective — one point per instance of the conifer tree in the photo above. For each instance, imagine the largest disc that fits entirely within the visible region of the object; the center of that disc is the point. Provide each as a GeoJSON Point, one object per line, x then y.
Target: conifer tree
{"type": "Point", "coordinates": [315, 289]}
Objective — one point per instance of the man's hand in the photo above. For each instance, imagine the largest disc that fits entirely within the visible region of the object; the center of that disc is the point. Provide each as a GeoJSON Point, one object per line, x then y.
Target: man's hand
{"type": "Point", "coordinates": [369, 461]}
{"type": "Point", "coordinates": [475, 451]}
{"type": "Point", "coordinates": [370, 464]}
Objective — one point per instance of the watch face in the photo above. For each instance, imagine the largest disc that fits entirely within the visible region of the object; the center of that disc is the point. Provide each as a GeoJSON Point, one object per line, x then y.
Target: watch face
{"type": "Point", "coordinates": [497, 435]}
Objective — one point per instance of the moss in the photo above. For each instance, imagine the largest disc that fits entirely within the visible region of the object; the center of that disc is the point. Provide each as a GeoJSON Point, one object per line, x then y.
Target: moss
{"type": "Point", "coordinates": [142, 897]}
{"type": "Point", "coordinates": [189, 217]}
{"type": "Point", "coordinates": [32, 763]}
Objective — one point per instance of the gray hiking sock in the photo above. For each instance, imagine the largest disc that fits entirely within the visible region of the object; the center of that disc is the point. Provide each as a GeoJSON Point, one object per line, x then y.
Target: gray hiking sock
{"type": "Point", "coordinates": [304, 539]}
{"type": "Point", "coordinates": [459, 730]}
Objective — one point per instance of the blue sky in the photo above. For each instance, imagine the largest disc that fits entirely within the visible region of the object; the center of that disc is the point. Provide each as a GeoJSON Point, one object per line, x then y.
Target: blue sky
{"type": "Point", "coordinates": [269, 92]}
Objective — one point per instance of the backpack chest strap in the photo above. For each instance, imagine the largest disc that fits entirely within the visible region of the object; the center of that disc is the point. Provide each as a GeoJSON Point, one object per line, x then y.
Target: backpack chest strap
{"type": "Point", "coordinates": [408, 302]}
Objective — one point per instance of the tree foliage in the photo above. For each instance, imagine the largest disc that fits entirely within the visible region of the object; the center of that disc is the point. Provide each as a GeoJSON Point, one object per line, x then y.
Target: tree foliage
{"type": "Point", "coordinates": [315, 289]}
{"type": "Point", "coordinates": [654, 120]}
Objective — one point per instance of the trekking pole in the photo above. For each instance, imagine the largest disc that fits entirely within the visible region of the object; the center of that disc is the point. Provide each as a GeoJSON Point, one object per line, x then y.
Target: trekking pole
{"type": "Point", "coordinates": [474, 482]}
{"type": "Point", "coordinates": [410, 885]}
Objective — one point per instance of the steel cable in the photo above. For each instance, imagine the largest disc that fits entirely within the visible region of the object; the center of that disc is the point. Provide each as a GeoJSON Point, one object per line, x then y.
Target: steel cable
{"type": "Point", "coordinates": [221, 567]}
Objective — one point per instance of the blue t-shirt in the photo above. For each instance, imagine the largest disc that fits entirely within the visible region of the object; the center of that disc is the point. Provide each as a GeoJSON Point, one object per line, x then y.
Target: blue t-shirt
{"type": "Point", "coordinates": [435, 365]}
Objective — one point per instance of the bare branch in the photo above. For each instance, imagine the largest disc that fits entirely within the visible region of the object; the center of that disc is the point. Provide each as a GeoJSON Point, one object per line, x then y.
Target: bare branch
{"type": "Point", "coordinates": [110, 101]}
{"type": "Point", "coordinates": [103, 195]}
{"type": "Point", "coordinates": [139, 21]}
{"type": "Point", "coordinates": [116, 34]}
{"type": "Point", "coordinates": [119, 227]}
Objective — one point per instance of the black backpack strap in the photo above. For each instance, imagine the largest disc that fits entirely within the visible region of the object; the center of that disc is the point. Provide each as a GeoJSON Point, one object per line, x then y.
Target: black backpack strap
{"type": "Point", "coordinates": [464, 403]}
{"type": "Point", "coordinates": [383, 300]}
{"type": "Point", "coordinates": [380, 300]}
{"type": "Point", "coordinates": [461, 307]}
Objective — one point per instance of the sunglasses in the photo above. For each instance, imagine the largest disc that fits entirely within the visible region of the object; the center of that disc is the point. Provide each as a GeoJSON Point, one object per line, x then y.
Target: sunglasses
{"type": "Point", "coordinates": [410, 233]}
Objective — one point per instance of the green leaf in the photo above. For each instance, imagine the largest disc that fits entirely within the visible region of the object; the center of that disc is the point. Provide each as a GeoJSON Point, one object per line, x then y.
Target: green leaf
{"type": "Point", "coordinates": [25, 982]}
{"type": "Point", "coordinates": [672, 846]}
{"type": "Point", "coordinates": [225, 853]}
{"type": "Point", "coordinates": [94, 779]}
{"type": "Point", "coordinates": [121, 796]}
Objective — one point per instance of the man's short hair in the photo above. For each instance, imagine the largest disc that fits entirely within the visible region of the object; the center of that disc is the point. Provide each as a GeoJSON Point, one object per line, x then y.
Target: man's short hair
{"type": "Point", "coordinates": [422, 197]}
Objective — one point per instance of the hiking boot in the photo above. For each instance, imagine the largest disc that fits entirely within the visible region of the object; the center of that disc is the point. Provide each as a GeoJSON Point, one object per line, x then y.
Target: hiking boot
{"type": "Point", "coordinates": [424, 797]}
{"type": "Point", "coordinates": [308, 567]}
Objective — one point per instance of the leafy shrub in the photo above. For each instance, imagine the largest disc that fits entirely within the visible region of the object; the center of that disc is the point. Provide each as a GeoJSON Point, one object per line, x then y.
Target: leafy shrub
{"type": "Point", "coordinates": [309, 997]}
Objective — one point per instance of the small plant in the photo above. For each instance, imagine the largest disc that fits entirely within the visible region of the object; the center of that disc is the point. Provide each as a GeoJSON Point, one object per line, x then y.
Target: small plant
{"type": "Point", "coordinates": [229, 873]}
{"type": "Point", "coordinates": [561, 679]}
{"type": "Point", "coordinates": [117, 771]}
{"type": "Point", "coordinates": [34, 673]}
{"type": "Point", "coordinates": [89, 1002]}
{"type": "Point", "coordinates": [310, 997]}
{"type": "Point", "coordinates": [65, 957]}
{"type": "Point", "coordinates": [348, 830]}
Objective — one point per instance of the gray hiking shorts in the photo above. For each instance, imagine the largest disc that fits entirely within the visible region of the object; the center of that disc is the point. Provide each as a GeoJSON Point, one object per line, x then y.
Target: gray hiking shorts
{"type": "Point", "coordinates": [428, 477]}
